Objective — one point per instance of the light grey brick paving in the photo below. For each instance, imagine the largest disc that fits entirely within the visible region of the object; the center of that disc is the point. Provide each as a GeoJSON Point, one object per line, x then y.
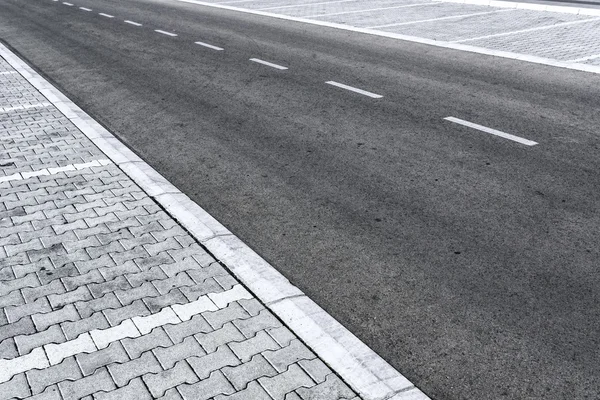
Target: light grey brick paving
{"type": "Point", "coordinates": [86, 249]}
{"type": "Point", "coordinates": [332, 388]}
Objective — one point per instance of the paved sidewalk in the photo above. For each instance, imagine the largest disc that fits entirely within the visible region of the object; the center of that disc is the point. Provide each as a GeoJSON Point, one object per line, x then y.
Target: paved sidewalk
{"type": "Point", "coordinates": [105, 296]}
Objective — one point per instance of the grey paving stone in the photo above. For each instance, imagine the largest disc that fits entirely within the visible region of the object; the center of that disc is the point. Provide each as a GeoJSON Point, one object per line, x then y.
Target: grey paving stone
{"type": "Point", "coordinates": [72, 283]}
{"type": "Point", "coordinates": [24, 326]}
{"type": "Point", "coordinates": [26, 343]}
{"type": "Point", "coordinates": [137, 252]}
{"type": "Point", "coordinates": [253, 392]}
{"type": "Point", "coordinates": [171, 394]}
{"type": "Point", "coordinates": [134, 390]}
{"type": "Point", "coordinates": [260, 322]}
{"type": "Point", "coordinates": [178, 281]}
{"type": "Point", "coordinates": [157, 303]}
{"type": "Point", "coordinates": [165, 245]}
{"type": "Point", "coordinates": [332, 388]}
{"type": "Point", "coordinates": [12, 299]}
{"type": "Point", "coordinates": [29, 280]}
{"type": "Point", "coordinates": [17, 387]}
{"type": "Point", "coordinates": [282, 335]}
{"type": "Point", "coordinates": [97, 263]}
{"type": "Point", "coordinates": [136, 346]}
{"type": "Point", "coordinates": [32, 294]}
{"type": "Point", "coordinates": [8, 349]}
{"type": "Point", "coordinates": [110, 272]}
{"type": "Point", "coordinates": [99, 289]}
{"type": "Point", "coordinates": [154, 261]}
{"type": "Point", "coordinates": [108, 237]}
{"type": "Point", "coordinates": [168, 356]}
{"type": "Point", "coordinates": [165, 380]}
{"type": "Point", "coordinates": [203, 366]}
{"type": "Point", "coordinates": [174, 268]}
{"type": "Point", "coordinates": [149, 275]}
{"type": "Point", "coordinates": [197, 324]}
{"type": "Point", "coordinates": [194, 292]}
{"type": "Point", "coordinates": [47, 276]}
{"type": "Point", "coordinates": [59, 300]}
{"type": "Point", "coordinates": [117, 315]}
{"type": "Point", "coordinates": [137, 293]}
{"type": "Point", "coordinates": [218, 318]}
{"type": "Point", "coordinates": [123, 373]}
{"type": "Point", "coordinates": [216, 384]}
{"type": "Point", "coordinates": [75, 390]}
{"type": "Point", "coordinates": [87, 308]}
{"type": "Point", "coordinates": [252, 306]}
{"type": "Point", "coordinates": [316, 369]}
{"type": "Point", "coordinates": [39, 379]}
{"type": "Point", "coordinates": [15, 313]}
{"type": "Point", "coordinates": [279, 385]}
{"type": "Point", "coordinates": [51, 393]}
{"type": "Point", "coordinates": [212, 340]}
{"type": "Point", "coordinates": [289, 355]}
{"type": "Point", "coordinates": [241, 375]}
{"type": "Point", "coordinates": [67, 313]}
{"type": "Point", "coordinates": [89, 362]}
{"type": "Point", "coordinates": [246, 349]}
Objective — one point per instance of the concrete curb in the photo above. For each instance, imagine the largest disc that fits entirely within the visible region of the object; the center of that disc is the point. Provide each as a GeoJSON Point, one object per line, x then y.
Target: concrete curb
{"type": "Point", "coordinates": [455, 46]}
{"type": "Point", "coordinates": [529, 6]}
{"type": "Point", "coordinates": [359, 366]}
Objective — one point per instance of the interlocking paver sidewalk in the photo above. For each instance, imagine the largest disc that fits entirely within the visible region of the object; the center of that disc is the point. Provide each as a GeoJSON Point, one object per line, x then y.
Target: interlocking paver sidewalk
{"type": "Point", "coordinates": [104, 296]}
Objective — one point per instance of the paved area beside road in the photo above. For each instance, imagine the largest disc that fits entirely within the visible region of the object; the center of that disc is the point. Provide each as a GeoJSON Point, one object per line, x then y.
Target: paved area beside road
{"type": "Point", "coordinates": [103, 294]}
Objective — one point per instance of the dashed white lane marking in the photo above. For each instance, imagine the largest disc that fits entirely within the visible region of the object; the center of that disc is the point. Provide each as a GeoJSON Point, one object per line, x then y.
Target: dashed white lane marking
{"type": "Point", "coordinates": [256, 60]}
{"type": "Point", "coordinates": [24, 107]}
{"type": "Point", "coordinates": [165, 32]}
{"type": "Point", "coordinates": [588, 58]}
{"type": "Point", "coordinates": [539, 28]}
{"type": "Point", "coordinates": [8, 72]}
{"type": "Point", "coordinates": [491, 131]}
{"type": "Point", "coordinates": [305, 5]}
{"type": "Point", "coordinates": [369, 10]}
{"type": "Point", "coordinates": [210, 46]}
{"type": "Point", "coordinates": [98, 339]}
{"type": "Point", "coordinates": [106, 15]}
{"type": "Point", "coordinates": [353, 89]}
{"type": "Point", "coordinates": [85, 9]}
{"type": "Point", "coordinates": [132, 23]}
{"type": "Point", "coordinates": [54, 170]}
{"type": "Point", "coordinates": [68, 4]}
{"type": "Point", "coordinates": [441, 18]}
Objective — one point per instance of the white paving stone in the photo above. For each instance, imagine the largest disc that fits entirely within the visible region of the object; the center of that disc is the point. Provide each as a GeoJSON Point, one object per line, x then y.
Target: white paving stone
{"type": "Point", "coordinates": [238, 292]}
{"type": "Point", "coordinates": [187, 311]}
{"type": "Point", "coordinates": [104, 337]}
{"type": "Point", "coordinates": [58, 352]}
{"type": "Point", "coordinates": [36, 359]}
{"type": "Point", "coordinates": [147, 323]}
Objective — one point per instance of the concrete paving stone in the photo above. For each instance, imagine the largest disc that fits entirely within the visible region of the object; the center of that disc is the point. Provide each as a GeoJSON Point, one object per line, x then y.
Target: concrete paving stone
{"type": "Point", "coordinates": [14, 262]}
{"type": "Point", "coordinates": [165, 245]}
{"type": "Point", "coordinates": [168, 356]}
{"type": "Point", "coordinates": [147, 323]}
{"type": "Point", "coordinates": [149, 275]}
{"type": "Point", "coordinates": [205, 365]}
{"type": "Point", "coordinates": [123, 224]}
{"type": "Point", "coordinates": [145, 239]}
{"type": "Point", "coordinates": [279, 385]}
{"type": "Point", "coordinates": [316, 369]}
{"type": "Point", "coordinates": [105, 219]}
{"type": "Point", "coordinates": [73, 329]}
{"type": "Point", "coordinates": [6, 273]}
{"type": "Point", "coordinates": [117, 315]}
{"type": "Point", "coordinates": [12, 239]}
{"type": "Point", "coordinates": [11, 299]}
{"type": "Point", "coordinates": [222, 299]}
{"type": "Point", "coordinates": [8, 349]}
{"type": "Point", "coordinates": [64, 259]}
{"type": "Point", "coordinates": [34, 244]}
{"type": "Point", "coordinates": [157, 303]}
{"type": "Point", "coordinates": [184, 240]}
{"type": "Point", "coordinates": [332, 388]}
{"type": "Point", "coordinates": [24, 326]}
{"type": "Point", "coordinates": [133, 213]}
{"type": "Point", "coordinates": [136, 346]}
{"type": "Point", "coordinates": [59, 300]}
{"type": "Point", "coordinates": [113, 247]}
{"type": "Point", "coordinates": [188, 310]}
{"type": "Point", "coordinates": [51, 393]}
{"type": "Point", "coordinates": [246, 349]}
{"type": "Point", "coordinates": [99, 289]}
{"type": "Point", "coordinates": [190, 251]}
{"type": "Point", "coordinates": [40, 379]}
{"type": "Point", "coordinates": [134, 390]}
{"type": "Point", "coordinates": [145, 364]}
{"type": "Point", "coordinates": [67, 237]}
{"type": "Point", "coordinates": [218, 318]}
{"type": "Point", "coordinates": [72, 283]}
{"type": "Point", "coordinates": [17, 387]}
{"type": "Point", "coordinates": [187, 265]}
{"type": "Point", "coordinates": [143, 229]}
{"type": "Point", "coordinates": [29, 280]}
{"type": "Point", "coordinates": [201, 274]}
{"type": "Point", "coordinates": [54, 222]}
{"type": "Point", "coordinates": [178, 281]}
{"type": "Point", "coordinates": [164, 234]}
{"type": "Point", "coordinates": [212, 340]}
{"type": "Point", "coordinates": [26, 343]}
{"type": "Point", "coordinates": [79, 224]}
{"type": "Point", "coordinates": [75, 390]}
{"type": "Point", "coordinates": [109, 237]}
{"type": "Point", "coordinates": [102, 338]}
{"type": "Point", "coordinates": [198, 290]}
{"type": "Point", "coordinates": [92, 204]}
{"type": "Point", "coordinates": [104, 209]}
{"type": "Point", "coordinates": [126, 297]}
{"type": "Point", "coordinates": [281, 359]}
{"type": "Point", "coordinates": [14, 313]}
{"type": "Point", "coordinates": [90, 243]}
{"type": "Point", "coordinates": [67, 209]}
{"type": "Point", "coordinates": [97, 263]}
{"type": "Point", "coordinates": [114, 353]}
{"type": "Point", "coordinates": [241, 375]}
{"type": "Point", "coordinates": [111, 272]}
{"type": "Point", "coordinates": [165, 380]}
{"type": "Point", "coordinates": [154, 261]}
{"type": "Point", "coordinates": [137, 252]}
{"type": "Point", "coordinates": [227, 282]}
{"type": "Point", "coordinates": [12, 367]}
{"type": "Point", "coordinates": [55, 249]}
{"type": "Point", "coordinates": [48, 275]}
{"type": "Point", "coordinates": [292, 396]}
{"type": "Point", "coordinates": [282, 335]}
{"type": "Point", "coordinates": [67, 313]}
{"type": "Point", "coordinates": [87, 308]}
{"type": "Point", "coordinates": [159, 216]}
{"type": "Point", "coordinates": [96, 230]}
{"type": "Point", "coordinates": [215, 385]}
{"type": "Point", "coordinates": [19, 219]}
{"type": "Point", "coordinates": [197, 324]}
{"type": "Point", "coordinates": [252, 306]}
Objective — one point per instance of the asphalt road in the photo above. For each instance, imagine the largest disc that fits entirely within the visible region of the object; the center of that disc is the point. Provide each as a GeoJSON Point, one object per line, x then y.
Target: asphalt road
{"type": "Point", "coordinates": [468, 261]}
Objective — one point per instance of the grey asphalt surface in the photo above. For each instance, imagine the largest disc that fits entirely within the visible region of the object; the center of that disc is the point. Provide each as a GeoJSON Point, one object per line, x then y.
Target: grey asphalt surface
{"type": "Point", "coordinates": [467, 261]}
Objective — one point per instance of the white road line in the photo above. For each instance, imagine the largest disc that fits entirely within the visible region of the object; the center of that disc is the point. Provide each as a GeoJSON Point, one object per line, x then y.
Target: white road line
{"type": "Point", "coordinates": [441, 18]}
{"type": "Point", "coordinates": [353, 89]}
{"type": "Point", "coordinates": [165, 32]}
{"type": "Point", "coordinates": [8, 72]}
{"type": "Point", "coordinates": [582, 59]}
{"type": "Point", "coordinates": [106, 15]}
{"type": "Point", "coordinates": [85, 9]}
{"type": "Point", "coordinates": [369, 10]}
{"type": "Point", "coordinates": [24, 107]}
{"type": "Point", "coordinates": [539, 28]}
{"type": "Point", "coordinates": [132, 23]}
{"type": "Point", "coordinates": [256, 60]}
{"type": "Point", "coordinates": [482, 128]}
{"type": "Point", "coordinates": [305, 5]}
{"type": "Point", "coordinates": [54, 170]}
{"type": "Point", "coordinates": [210, 46]}
{"type": "Point", "coordinates": [68, 4]}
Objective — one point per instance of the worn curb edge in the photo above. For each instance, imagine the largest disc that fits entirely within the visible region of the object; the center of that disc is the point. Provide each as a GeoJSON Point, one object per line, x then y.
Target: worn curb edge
{"type": "Point", "coordinates": [438, 43]}
{"type": "Point", "coordinates": [360, 367]}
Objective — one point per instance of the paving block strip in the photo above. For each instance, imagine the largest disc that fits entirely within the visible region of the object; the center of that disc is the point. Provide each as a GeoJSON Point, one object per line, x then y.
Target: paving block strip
{"type": "Point", "coordinates": [113, 284]}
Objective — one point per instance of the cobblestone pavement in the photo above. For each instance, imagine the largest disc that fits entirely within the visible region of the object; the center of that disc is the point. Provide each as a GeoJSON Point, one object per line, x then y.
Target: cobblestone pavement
{"type": "Point", "coordinates": [558, 36]}
{"type": "Point", "coordinates": [104, 296]}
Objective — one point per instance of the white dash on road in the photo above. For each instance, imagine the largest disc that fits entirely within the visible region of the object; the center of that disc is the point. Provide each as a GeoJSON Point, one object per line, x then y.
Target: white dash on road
{"type": "Point", "coordinates": [85, 9]}
{"type": "Point", "coordinates": [132, 23]}
{"type": "Point", "coordinates": [165, 32]}
{"type": "Point", "coordinates": [68, 4]}
{"type": "Point", "coordinates": [106, 15]}
{"type": "Point", "coordinates": [491, 131]}
{"type": "Point", "coordinates": [256, 60]}
{"type": "Point", "coordinates": [353, 89]}
{"type": "Point", "coordinates": [210, 46]}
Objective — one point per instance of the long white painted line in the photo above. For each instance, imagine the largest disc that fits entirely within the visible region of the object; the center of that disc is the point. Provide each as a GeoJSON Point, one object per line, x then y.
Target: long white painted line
{"type": "Point", "coordinates": [132, 23]}
{"type": "Point", "coordinates": [210, 46]}
{"type": "Point", "coordinates": [8, 72]}
{"type": "Point", "coordinates": [305, 5]}
{"type": "Point", "coordinates": [440, 19]}
{"type": "Point", "coordinates": [85, 9]}
{"type": "Point", "coordinates": [491, 131]}
{"type": "Point", "coordinates": [588, 58]}
{"type": "Point", "coordinates": [24, 107]}
{"type": "Point", "coordinates": [529, 6]}
{"type": "Point", "coordinates": [54, 170]}
{"type": "Point", "coordinates": [353, 89]}
{"type": "Point", "coordinates": [165, 32]}
{"type": "Point", "coordinates": [106, 15]}
{"type": "Point", "coordinates": [256, 60]}
{"type": "Point", "coordinates": [371, 9]}
{"type": "Point", "coordinates": [68, 4]}
{"type": "Point", "coordinates": [539, 28]}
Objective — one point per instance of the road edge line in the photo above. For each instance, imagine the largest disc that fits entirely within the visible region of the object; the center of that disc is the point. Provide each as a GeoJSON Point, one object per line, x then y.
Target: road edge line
{"type": "Point", "coordinates": [359, 366]}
